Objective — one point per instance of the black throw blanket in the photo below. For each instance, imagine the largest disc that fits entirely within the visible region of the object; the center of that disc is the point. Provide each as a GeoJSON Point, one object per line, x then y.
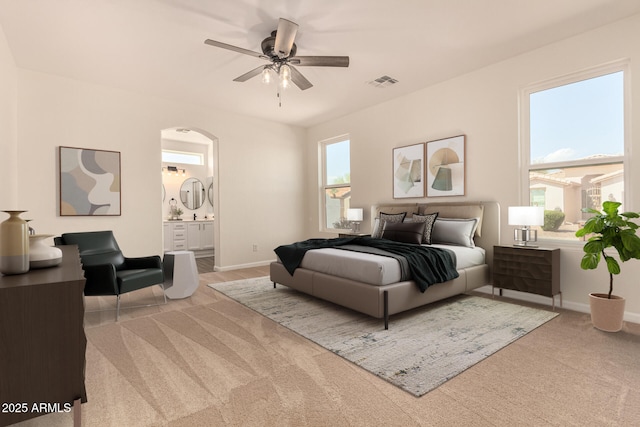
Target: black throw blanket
{"type": "Point", "coordinates": [428, 265]}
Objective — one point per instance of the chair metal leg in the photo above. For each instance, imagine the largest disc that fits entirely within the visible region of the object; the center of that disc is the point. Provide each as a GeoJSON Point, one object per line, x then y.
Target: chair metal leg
{"type": "Point", "coordinates": [165, 295]}
{"type": "Point", "coordinates": [117, 307]}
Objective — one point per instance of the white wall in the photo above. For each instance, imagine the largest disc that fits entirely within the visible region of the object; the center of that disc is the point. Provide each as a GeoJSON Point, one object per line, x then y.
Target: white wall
{"type": "Point", "coordinates": [8, 147]}
{"type": "Point", "coordinates": [259, 200]}
{"type": "Point", "coordinates": [483, 105]}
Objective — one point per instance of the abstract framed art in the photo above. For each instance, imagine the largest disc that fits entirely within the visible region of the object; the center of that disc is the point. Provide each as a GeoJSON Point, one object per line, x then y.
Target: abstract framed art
{"type": "Point", "coordinates": [89, 182]}
{"type": "Point", "coordinates": [445, 167]}
{"type": "Point", "coordinates": [408, 171]}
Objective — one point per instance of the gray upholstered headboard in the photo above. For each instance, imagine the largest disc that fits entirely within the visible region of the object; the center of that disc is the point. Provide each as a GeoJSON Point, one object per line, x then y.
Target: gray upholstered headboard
{"type": "Point", "coordinates": [487, 233]}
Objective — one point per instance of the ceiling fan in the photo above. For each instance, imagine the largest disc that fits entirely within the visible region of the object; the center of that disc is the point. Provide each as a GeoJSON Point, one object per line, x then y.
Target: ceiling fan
{"type": "Point", "coordinates": [280, 50]}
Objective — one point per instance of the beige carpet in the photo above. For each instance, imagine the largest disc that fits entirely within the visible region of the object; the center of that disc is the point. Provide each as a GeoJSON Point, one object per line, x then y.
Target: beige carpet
{"type": "Point", "coordinates": [209, 361]}
{"type": "Point", "coordinates": [423, 347]}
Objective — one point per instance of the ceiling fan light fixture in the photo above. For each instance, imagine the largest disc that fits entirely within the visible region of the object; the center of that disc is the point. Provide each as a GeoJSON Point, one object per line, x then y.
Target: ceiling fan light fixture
{"type": "Point", "coordinates": [285, 75]}
{"type": "Point", "coordinates": [266, 75]}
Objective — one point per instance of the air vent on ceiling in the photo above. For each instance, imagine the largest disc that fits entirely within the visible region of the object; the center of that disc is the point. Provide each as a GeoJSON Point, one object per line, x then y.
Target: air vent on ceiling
{"type": "Point", "coordinates": [382, 82]}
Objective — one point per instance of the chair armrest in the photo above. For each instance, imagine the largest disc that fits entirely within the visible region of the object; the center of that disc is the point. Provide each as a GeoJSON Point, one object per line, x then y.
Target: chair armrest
{"type": "Point", "coordinates": [101, 279]}
{"type": "Point", "coordinates": [153, 261]}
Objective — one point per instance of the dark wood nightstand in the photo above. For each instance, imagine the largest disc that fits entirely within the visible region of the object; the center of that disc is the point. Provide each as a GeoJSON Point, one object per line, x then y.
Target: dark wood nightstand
{"type": "Point", "coordinates": [527, 269]}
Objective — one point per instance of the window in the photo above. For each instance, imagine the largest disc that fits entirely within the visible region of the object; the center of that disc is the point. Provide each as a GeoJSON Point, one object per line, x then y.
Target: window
{"type": "Point", "coordinates": [574, 146]}
{"type": "Point", "coordinates": [336, 183]}
{"type": "Point", "coordinates": [185, 157]}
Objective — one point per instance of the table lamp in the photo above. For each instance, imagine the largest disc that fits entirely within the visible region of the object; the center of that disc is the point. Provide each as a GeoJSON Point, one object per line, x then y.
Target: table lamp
{"type": "Point", "coordinates": [525, 217]}
{"type": "Point", "coordinates": [354, 216]}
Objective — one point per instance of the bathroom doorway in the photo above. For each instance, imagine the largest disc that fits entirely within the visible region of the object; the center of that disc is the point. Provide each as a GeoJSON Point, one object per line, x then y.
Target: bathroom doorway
{"type": "Point", "coordinates": [190, 194]}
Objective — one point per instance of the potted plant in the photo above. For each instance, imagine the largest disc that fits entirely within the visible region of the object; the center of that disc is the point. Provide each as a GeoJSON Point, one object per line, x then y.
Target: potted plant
{"type": "Point", "coordinates": [608, 229]}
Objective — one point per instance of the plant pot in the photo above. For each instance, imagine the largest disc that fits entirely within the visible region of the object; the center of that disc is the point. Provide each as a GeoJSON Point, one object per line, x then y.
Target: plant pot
{"type": "Point", "coordinates": [606, 313]}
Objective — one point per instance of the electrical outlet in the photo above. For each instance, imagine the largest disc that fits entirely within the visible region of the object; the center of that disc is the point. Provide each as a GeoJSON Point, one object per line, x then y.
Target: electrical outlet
{"type": "Point", "coordinates": [255, 248]}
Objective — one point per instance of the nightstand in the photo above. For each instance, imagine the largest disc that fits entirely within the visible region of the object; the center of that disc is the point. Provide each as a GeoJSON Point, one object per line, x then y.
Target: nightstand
{"type": "Point", "coordinates": [527, 269]}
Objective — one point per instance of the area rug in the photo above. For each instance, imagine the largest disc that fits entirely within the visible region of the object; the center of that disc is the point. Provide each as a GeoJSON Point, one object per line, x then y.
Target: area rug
{"type": "Point", "coordinates": [422, 349]}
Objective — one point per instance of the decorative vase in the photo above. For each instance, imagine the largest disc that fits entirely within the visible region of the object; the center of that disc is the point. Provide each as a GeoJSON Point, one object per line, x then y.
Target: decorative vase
{"type": "Point", "coordinates": [607, 314]}
{"type": "Point", "coordinates": [14, 244]}
{"type": "Point", "coordinates": [42, 255]}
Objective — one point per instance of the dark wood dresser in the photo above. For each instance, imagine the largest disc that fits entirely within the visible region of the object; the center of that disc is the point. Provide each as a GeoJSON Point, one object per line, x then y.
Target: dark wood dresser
{"type": "Point", "coordinates": [527, 269]}
{"type": "Point", "coordinates": [42, 341]}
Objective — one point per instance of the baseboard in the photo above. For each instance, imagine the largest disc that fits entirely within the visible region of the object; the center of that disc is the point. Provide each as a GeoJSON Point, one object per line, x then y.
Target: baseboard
{"type": "Point", "coordinates": [539, 299]}
{"type": "Point", "coordinates": [240, 266]}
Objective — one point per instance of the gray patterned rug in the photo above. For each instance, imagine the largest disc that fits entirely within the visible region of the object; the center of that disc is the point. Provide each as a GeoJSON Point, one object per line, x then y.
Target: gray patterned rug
{"type": "Point", "coordinates": [422, 349]}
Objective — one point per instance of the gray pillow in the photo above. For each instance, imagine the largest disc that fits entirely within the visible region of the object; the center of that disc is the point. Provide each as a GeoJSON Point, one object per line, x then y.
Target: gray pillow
{"type": "Point", "coordinates": [454, 231]}
{"type": "Point", "coordinates": [384, 218]}
{"type": "Point", "coordinates": [429, 220]}
{"type": "Point", "coordinates": [406, 232]}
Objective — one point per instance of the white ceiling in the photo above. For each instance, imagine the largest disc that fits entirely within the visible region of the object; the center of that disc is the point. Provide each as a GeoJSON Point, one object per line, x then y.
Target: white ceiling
{"type": "Point", "coordinates": [156, 47]}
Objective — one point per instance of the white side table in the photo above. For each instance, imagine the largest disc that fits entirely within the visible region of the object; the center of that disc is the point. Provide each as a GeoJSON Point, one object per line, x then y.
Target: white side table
{"type": "Point", "coordinates": [180, 274]}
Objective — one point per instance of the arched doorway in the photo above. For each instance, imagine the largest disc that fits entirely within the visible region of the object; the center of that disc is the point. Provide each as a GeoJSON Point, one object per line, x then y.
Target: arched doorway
{"type": "Point", "coordinates": [190, 194]}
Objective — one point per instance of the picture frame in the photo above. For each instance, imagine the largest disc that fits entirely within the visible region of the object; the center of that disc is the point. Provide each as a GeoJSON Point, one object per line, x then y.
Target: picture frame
{"type": "Point", "coordinates": [408, 171]}
{"type": "Point", "coordinates": [90, 182]}
{"type": "Point", "coordinates": [445, 168]}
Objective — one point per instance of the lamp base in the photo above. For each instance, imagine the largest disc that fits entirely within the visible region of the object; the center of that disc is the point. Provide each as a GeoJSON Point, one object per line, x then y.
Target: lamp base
{"type": "Point", "coordinates": [525, 236]}
{"type": "Point", "coordinates": [525, 245]}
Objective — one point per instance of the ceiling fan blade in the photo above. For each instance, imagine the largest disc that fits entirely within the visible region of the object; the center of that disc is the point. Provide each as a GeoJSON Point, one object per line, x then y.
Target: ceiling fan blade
{"type": "Point", "coordinates": [320, 61]}
{"type": "Point", "coordinates": [299, 80]}
{"type": "Point", "coordinates": [248, 75]}
{"type": "Point", "coordinates": [235, 49]}
{"type": "Point", "coordinates": [285, 36]}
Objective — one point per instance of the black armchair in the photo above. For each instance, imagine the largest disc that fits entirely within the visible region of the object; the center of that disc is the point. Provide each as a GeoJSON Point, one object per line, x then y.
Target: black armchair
{"type": "Point", "coordinates": [107, 271]}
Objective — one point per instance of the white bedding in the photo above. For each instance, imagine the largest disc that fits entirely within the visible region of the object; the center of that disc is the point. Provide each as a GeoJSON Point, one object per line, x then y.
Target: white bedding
{"type": "Point", "coordinates": [376, 269]}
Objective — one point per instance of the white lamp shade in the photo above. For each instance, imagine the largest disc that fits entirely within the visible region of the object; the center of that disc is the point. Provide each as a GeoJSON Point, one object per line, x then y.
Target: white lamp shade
{"type": "Point", "coordinates": [526, 215]}
{"type": "Point", "coordinates": [354, 214]}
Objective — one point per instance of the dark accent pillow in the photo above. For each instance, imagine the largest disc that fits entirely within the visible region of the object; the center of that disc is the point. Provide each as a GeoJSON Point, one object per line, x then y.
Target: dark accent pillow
{"type": "Point", "coordinates": [429, 220]}
{"type": "Point", "coordinates": [383, 219]}
{"type": "Point", "coordinates": [406, 232]}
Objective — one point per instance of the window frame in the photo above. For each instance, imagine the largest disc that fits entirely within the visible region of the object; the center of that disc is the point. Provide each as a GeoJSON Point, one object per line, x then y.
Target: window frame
{"type": "Point", "coordinates": [524, 160]}
{"type": "Point", "coordinates": [322, 177]}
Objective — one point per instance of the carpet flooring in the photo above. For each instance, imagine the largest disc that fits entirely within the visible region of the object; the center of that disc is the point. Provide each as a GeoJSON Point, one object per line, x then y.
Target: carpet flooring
{"type": "Point", "coordinates": [207, 360]}
{"type": "Point", "coordinates": [423, 347]}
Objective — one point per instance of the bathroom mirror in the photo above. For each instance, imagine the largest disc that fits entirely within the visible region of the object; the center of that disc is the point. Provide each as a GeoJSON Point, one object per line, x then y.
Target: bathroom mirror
{"type": "Point", "coordinates": [192, 193]}
{"type": "Point", "coordinates": [210, 194]}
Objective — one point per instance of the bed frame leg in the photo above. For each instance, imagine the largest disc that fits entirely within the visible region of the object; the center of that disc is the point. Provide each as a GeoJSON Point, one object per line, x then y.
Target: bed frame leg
{"type": "Point", "coordinates": [274, 285]}
{"type": "Point", "coordinates": [385, 295]}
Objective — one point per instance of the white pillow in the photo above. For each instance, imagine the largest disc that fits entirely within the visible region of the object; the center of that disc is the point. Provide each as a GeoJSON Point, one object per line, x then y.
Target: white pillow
{"type": "Point", "coordinates": [454, 231]}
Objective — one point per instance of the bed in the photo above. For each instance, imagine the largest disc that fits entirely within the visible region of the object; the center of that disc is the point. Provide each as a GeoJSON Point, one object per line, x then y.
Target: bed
{"type": "Point", "coordinates": [374, 284]}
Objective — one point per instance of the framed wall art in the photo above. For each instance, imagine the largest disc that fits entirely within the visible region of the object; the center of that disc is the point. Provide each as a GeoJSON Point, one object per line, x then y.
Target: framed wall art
{"type": "Point", "coordinates": [89, 182]}
{"type": "Point", "coordinates": [408, 171]}
{"type": "Point", "coordinates": [445, 167]}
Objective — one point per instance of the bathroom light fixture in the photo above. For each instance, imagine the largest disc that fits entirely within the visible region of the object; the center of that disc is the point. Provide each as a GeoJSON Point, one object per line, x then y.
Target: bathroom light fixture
{"type": "Point", "coordinates": [526, 216]}
{"type": "Point", "coordinates": [174, 170]}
